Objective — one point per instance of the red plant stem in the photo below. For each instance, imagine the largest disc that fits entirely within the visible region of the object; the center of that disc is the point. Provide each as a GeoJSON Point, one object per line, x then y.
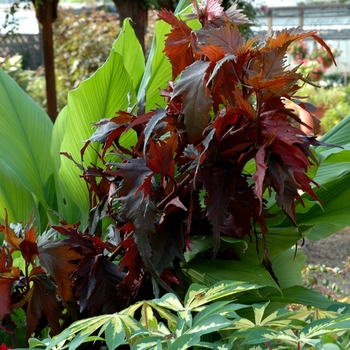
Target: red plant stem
{"type": "Point", "coordinates": [258, 108]}
{"type": "Point", "coordinates": [172, 194]}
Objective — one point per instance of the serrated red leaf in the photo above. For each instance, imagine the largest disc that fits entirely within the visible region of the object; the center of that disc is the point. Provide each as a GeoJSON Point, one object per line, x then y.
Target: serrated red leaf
{"type": "Point", "coordinates": [213, 52]}
{"type": "Point", "coordinates": [259, 175]}
{"type": "Point", "coordinates": [97, 280]}
{"type": "Point", "coordinates": [178, 43]}
{"type": "Point", "coordinates": [219, 187]}
{"type": "Point", "coordinates": [132, 263]}
{"type": "Point", "coordinates": [42, 301]}
{"type": "Point", "coordinates": [196, 99]}
{"type": "Point", "coordinates": [136, 176]}
{"type": "Point", "coordinates": [10, 236]}
{"type": "Point", "coordinates": [160, 157]}
{"type": "Point", "coordinates": [59, 261]}
{"type": "Point", "coordinates": [258, 83]}
{"type": "Point", "coordinates": [227, 40]}
{"type": "Point", "coordinates": [8, 276]}
{"type": "Point", "coordinates": [245, 106]}
{"type": "Point", "coordinates": [168, 241]}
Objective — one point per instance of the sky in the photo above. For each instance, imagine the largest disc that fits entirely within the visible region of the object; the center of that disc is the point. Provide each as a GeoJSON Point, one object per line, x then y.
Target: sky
{"type": "Point", "coordinates": [277, 3]}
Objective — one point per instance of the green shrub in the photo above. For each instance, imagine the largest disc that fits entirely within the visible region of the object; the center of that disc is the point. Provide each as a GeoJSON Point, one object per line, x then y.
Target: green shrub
{"type": "Point", "coordinates": [82, 44]}
{"type": "Point", "coordinates": [335, 100]}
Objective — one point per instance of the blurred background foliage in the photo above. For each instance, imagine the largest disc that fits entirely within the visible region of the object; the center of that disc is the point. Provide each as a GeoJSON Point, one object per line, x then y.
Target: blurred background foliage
{"type": "Point", "coordinates": [82, 40]}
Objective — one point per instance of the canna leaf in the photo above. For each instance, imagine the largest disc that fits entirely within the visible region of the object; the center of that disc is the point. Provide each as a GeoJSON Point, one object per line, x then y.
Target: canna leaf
{"type": "Point", "coordinates": [129, 47]}
{"type": "Point", "coordinates": [94, 100]}
{"type": "Point", "coordinates": [28, 153]}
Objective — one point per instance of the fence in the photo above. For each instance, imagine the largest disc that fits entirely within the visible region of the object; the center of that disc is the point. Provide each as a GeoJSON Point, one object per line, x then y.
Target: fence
{"type": "Point", "coordinates": [27, 45]}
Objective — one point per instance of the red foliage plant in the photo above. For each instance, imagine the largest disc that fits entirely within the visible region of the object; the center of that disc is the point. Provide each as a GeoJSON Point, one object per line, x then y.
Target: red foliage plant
{"type": "Point", "coordinates": [224, 108]}
{"type": "Point", "coordinates": [185, 175]}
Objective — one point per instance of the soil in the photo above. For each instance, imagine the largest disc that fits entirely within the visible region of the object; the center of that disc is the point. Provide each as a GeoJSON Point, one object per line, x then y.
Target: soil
{"type": "Point", "coordinates": [332, 252]}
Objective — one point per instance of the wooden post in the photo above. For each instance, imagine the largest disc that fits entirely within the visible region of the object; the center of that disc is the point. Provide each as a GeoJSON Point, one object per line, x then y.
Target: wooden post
{"type": "Point", "coordinates": [269, 21]}
{"type": "Point", "coordinates": [301, 18]}
{"type": "Point", "coordinates": [47, 14]}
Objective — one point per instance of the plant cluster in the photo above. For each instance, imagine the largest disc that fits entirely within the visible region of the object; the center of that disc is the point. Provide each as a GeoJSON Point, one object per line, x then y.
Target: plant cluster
{"type": "Point", "coordinates": [298, 50]}
{"type": "Point", "coordinates": [187, 172]}
{"type": "Point", "coordinates": [334, 101]}
{"type": "Point", "coordinates": [210, 319]}
{"type": "Point", "coordinates": [319, 276]}
{"type": "Point", "coordinates": [314, 63]}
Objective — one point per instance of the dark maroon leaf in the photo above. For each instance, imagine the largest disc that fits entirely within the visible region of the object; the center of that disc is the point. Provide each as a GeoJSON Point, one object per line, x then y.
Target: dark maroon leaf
{"type": "Point", "coordinates": [134, 173]}
{"type": "Point", "coordinates": [195, 98]}
{"type": "Point", "coordinates": [97, 280]}
{"type": "Point", "coordinates": [8, 276]}
{"type": "Point", "coordinates": [219, 185]}
{"type": "Point", "coordinates": [132, 281]}
{"type": "Point", "coordinates": [143, 214]}
{"type": "Point", "coordinates": [158, 116]}
{"type": "Point", "coordinates": [58, 260]}
{"type": "Point", "coordinates": [226, 39]}
{"type": "Point", "coordinates": [42, 302]}
{"type": "Point", "coordinates": [29, 250]}
{"type": "Point", "coordinates": [168, 242]}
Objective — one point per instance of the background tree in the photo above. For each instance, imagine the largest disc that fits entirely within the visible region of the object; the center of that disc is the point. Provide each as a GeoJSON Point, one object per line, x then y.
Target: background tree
{"type": "Point", "coordinates": [46, 13]}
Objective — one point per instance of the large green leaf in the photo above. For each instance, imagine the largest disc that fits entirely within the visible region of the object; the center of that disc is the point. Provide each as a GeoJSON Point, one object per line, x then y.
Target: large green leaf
{"type": "Point", "coordinates": [158, 69]}
{"type": "Point", "coordinates": [128, 46]}
{"type": "Point", "coordinates": [322, 221]}
{"type": "Point", "coordinates": [25, 134]}
{"type": "Point", "coordinates": [66, 207]}
{"type": "Point", "coordinates": [98, 97]}
{"type": "Point", "coordinates": [18, 201]}
{"type": "Point", "coordinates": [339, 134]}
{"type": "Point", "coordinates": [202, 271]}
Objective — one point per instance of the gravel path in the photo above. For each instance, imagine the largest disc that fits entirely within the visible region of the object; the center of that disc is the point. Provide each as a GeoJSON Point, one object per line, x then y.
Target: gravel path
{"type": "Point", "coordinates": [333, 251]}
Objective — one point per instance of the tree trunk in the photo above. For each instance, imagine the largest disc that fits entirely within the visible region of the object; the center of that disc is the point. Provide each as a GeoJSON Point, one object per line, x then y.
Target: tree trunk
{"type": "Point", "coordinates": [138, 13]}
{"type": "Point", "coordinates": [47, 14]}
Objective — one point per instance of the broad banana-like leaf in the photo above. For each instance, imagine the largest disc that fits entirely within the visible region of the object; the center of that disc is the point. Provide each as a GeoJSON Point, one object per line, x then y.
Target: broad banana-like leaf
{"type": "Point", "coordinates": [25, 134]}
{"type": "Point", "coordinates": [202, 271]}
{"type": "Point", "coordinates": [128, 46]}
{"type": "Point", "coordinates": [66, 207]}
{"type": "Point", "coordinates": [339, 134]}
{"type": "Point", "coordinates": [158, 70]}
{"type": "Point", "coordinates": [14, 197]}
{"type": "Point", "coordinates": [320, 222]}
{"type": "Point", "coordinates": [110, 89]}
